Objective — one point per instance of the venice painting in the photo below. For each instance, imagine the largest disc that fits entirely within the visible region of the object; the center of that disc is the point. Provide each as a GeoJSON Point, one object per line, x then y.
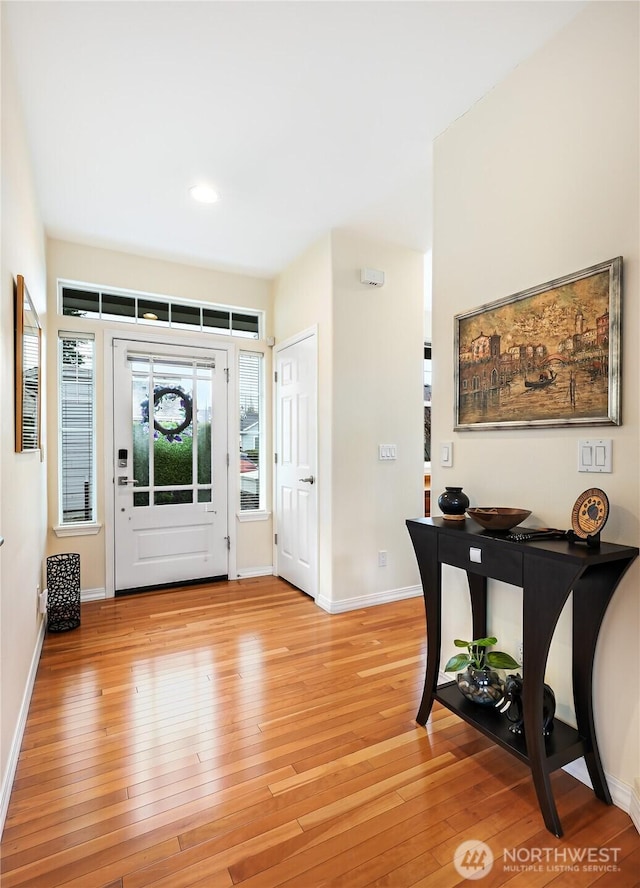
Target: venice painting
{"type": "Point", "coordinates": [548, 356]}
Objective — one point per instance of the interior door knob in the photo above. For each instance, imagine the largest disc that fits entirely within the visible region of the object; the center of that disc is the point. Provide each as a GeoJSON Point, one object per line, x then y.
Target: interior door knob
{"type": "Point", "coordinates": [308, 480]}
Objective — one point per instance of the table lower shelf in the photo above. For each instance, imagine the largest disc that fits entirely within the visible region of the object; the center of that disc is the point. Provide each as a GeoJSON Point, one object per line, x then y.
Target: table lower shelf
{"type": "Point", "coordinates": [563, 745]}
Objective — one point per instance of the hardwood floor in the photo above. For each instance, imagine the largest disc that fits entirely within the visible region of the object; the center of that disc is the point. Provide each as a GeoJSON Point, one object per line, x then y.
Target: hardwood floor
{"type": "Point", "coordinates": [236, 734]}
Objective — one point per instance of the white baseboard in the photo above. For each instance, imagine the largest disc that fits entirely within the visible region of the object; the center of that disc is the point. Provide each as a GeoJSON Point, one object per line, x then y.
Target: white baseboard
{"type": "Point", "coordinates": [249, 573]}
{"type": "Point", "coordinates": [349, 604]}
{"type": "Point", "coordinates": [622, 794]}
{"type": "Point", "coordinates": [16, 743]}
{"type": "Point", "coordinates": [93, 594]}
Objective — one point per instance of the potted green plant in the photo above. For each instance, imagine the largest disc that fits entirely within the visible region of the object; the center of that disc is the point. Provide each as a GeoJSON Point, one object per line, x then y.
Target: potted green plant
{"type": "Point", "coordinates": [479, 682]}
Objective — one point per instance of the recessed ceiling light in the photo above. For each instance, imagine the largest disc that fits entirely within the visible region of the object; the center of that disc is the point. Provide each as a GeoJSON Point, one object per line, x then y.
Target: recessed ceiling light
{"type": "Point", "coordinates": [203, 193]}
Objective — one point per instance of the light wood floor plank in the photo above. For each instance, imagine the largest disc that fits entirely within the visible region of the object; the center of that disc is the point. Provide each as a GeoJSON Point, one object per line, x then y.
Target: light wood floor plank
{"type": "Point", "coordinates": [234, 734]}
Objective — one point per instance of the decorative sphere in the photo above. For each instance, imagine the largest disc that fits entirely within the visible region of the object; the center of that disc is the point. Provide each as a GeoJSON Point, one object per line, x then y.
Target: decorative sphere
{"type": "Point", "coordinates": [453, 503]}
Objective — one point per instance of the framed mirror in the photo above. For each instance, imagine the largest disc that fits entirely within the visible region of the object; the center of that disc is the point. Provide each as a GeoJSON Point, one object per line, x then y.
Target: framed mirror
{"type": "Point", "coordinates": [27, 370]}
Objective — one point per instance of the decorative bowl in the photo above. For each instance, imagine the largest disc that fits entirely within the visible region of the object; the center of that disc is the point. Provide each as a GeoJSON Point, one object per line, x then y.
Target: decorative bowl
{"type": "Point", "coordinates": [498, 518]}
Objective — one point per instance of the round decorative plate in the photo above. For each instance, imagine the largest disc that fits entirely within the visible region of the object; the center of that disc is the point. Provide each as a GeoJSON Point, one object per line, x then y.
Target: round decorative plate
{"type": "Point", "coordinates": [590, 512]}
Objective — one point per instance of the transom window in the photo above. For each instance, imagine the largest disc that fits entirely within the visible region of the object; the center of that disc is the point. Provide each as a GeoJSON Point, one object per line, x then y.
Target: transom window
{"type": "Point", "coordinates": [157, 311]}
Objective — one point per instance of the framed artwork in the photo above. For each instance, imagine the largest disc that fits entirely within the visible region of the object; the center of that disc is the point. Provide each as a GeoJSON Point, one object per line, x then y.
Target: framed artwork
{"type": "Point", "coordinates": [548, 356]}
{"type": "Point", "coordinates": [27, 370]}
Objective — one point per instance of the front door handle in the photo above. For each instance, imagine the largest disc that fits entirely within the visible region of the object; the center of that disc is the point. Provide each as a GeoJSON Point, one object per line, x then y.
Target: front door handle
{"type": "Point", "coordinates": [308, 480]}
{"type": "Point", "coordinates": [123, 481]}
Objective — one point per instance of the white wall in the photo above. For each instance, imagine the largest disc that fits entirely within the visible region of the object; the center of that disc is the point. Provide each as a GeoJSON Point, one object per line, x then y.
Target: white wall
{"type": "Point", "coordinates": [377, 383]}
{"type": "Point", "coordinates": [22, 475]}
{"type": "Point", "coordinates": [370, 392]}
{"type": "Point", "coordinates": [540, 179]}
{"type": "Point", "coordinates": [301, 300]}
{"type": "Point", "coordinates": [128, 271]}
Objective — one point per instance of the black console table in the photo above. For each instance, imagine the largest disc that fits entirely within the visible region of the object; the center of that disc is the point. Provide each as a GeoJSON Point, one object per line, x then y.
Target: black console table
{"type": "Point", "coordinates": [547, 571]}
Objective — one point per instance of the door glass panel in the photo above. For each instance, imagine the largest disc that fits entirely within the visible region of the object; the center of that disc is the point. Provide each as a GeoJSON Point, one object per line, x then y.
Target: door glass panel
{"type": "Point", "coordinates": [140, 401]}
{"type": "Point", "coordinates": [204, 419]}
{"type": "Point", "coordinates": [171, 431]}
{"type": "Point", "coordinates": [172, 497]}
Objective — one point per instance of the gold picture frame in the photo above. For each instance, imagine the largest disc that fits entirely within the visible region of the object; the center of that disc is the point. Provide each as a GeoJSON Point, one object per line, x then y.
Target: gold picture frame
{"type": "Point", "coordinates": [548, 357]}
{"type": "Point", "coordinates": [28, 370]}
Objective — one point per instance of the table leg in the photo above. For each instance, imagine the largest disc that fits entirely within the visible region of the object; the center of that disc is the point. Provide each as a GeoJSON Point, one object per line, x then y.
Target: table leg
{"type": "Point", "coordinates": [426, 549]}
{"type": "Point", "coordinates": [592, 594]}
{"type": "Point", "coordinates": [546, 589]}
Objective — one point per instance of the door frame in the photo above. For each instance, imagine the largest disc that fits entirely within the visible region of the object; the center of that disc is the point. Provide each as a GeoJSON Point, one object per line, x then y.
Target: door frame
{"type": "Point", "coordinates": [167, 339]}
{"type": "Point", "coordinates": [286, 343]}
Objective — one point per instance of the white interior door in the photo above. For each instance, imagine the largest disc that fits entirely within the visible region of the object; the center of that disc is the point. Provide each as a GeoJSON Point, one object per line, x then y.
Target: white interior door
{"type": "Point", "coordinates": [296, 466]}
{"type": "Point", "coordinates": [170, 464]}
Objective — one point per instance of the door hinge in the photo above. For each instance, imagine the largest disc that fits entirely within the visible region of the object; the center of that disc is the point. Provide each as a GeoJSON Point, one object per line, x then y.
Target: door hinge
{"type": "Point", "coordinates": [275, 375]}
{"type": "Point", "coordinates": [227, 460]}
{"type": "Point", "coordinates": [228, 539]}
{"type": "Point", "coordinates": [275, 458]}
{"type": "Point", "coordinates": [275, 539]}
{"type": "Point", "coordinates": [226, 373]}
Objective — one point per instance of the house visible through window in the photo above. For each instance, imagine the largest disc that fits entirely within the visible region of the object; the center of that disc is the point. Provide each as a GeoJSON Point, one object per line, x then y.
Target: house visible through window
{"type": "Point", "coordinates": [250, 373]}
{"type": "Point", "coordinates": [76, 450]}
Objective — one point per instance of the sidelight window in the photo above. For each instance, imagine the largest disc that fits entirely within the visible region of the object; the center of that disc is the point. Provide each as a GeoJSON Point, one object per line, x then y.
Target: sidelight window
{"type": "Point", "coordinates": [76, 444]}
{"type": "Point", "coordinates": [250, 376]}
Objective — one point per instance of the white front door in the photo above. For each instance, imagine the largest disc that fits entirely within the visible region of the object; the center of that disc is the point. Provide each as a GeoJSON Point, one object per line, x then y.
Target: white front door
{"type": "Point", "coordinates": [296, 466]}
{"type": "Point", "coordinates": [170, 464]}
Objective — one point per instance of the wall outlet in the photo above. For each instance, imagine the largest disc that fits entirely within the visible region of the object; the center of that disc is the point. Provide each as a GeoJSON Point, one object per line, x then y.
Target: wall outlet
{"type": "Point", "coordinates": [382, 559]}
{"type": "Point", "coordinates": [43, 598]}
{"type": "Point", "coordinates": [520, 654]}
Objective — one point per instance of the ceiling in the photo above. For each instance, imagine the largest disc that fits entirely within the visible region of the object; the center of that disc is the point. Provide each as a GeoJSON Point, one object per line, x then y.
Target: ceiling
{"type": "Point", "coordinates": [305, 116]}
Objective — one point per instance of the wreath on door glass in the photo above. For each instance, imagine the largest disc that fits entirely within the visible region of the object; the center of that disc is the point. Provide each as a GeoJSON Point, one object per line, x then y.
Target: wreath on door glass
{"type": "Point", "coordinates": [186, 405]}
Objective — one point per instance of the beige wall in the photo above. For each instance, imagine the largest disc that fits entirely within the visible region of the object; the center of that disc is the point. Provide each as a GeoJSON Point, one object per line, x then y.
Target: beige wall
{"type": "Point", "coordinates": [377, 399]}
{"type": "Point", "coordinates": [112, 268]}
{"type": "Point", "coordinates": [369, 392]}
{"type": "Point", "coordinates": [538, 180]}
{"type": "Point", "coordinates": [302, 300]}
{"type": "Point", "coordinates": [22, 475]}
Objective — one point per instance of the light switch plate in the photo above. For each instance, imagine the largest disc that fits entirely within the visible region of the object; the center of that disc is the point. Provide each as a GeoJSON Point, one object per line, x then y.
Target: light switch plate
{"type": "Point", "coordinates": [446, 454]}
{"type": "Point", "coordinates": [594, 455]}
